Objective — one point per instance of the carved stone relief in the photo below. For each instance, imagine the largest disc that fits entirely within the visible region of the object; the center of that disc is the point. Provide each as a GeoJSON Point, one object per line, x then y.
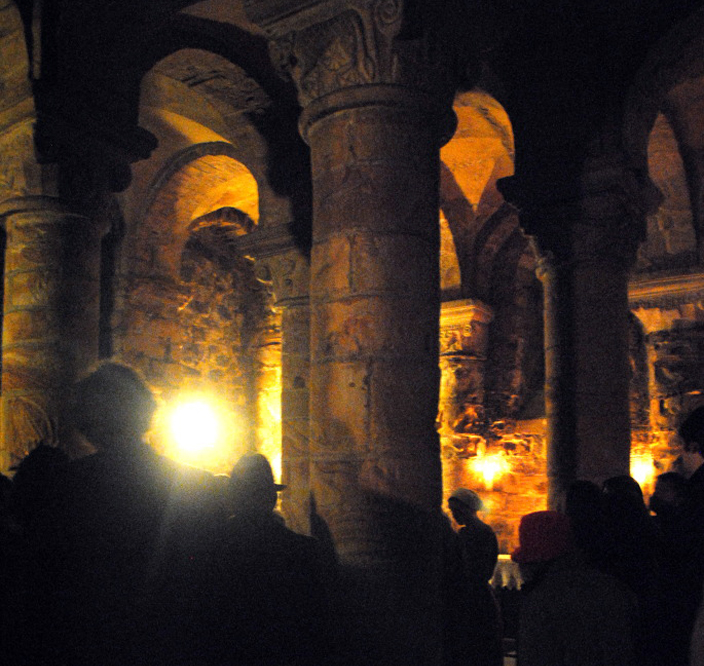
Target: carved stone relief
{"type": "Point", "coordinates": [377, 42]}
{"type": "Point", "coordinates": [19, 173]}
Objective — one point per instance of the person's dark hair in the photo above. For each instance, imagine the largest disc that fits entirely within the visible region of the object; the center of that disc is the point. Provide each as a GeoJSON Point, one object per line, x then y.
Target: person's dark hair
{"type": "Point", "coordinates": [691, 430]}
{"type": "Point", "coordinates": [623, 485]}
{"type": "Point", "coordinates": [672, 480]}
{"type": "Point", "coordinates": [110, 404]}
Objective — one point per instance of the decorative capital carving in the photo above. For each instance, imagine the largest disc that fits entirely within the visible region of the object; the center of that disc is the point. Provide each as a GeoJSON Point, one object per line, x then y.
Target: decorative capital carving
{"type": "Point", "coordinates": [288, 276]}
{"type": "Point", "coordinates": [595, 215]}
{"type": "Point", "coordinates": [330, 46]}
{"type": "Point", "coordinates": [464, 328]}
{"type": "Point", "coordinates": [88, 140]}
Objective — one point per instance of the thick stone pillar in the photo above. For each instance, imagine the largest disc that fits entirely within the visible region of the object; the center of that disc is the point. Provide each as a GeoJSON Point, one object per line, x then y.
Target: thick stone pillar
{"type": "Point", "coordinates": [375, 466]}
{"type": "Point", "coordinates": [50, 317]}
{"type": "Point", "coordinates": [587, 239]}
{"type": "Point", "coordinates": [464, 340]}
{"type": "Point", "coordinates": [376, 81]}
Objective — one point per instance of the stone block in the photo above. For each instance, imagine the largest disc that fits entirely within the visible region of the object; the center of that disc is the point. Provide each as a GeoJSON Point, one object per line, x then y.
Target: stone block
{"type": "Point", "coordinates": [339, 396]}
{"type": "Point", "coordinates": [330, 268]}
{"type": "Point", "coordinates": [381, 325]}
{"type": "Point", "coordinates": [399, 263]}
{"type": "Point", "coordinates": [32, 288]}
{"type": "Point", "coordinates": [403, 405]}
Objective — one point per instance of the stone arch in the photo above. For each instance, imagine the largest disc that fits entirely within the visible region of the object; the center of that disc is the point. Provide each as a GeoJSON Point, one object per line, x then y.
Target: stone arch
{"type": "Point", "coordinates": [196, 182]}
{"type": "Point", "coordinates": [194, 317]}
{"type": "Point", "coordinates": [675, 58]}
{"type": "Point", "coordinates": [670, 236]}
{"type": "Point", "coordinates": [480, 153]}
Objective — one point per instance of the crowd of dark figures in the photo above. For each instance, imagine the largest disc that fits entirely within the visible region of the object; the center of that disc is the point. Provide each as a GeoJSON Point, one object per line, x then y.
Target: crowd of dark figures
{"type": "Point", "coordinates": [127, 558]}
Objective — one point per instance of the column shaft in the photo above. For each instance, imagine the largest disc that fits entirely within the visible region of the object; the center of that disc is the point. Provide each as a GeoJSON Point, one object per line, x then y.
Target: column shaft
{"type": "Point", "coordinates": [50, 318]}
{"type": "Point", "coordinates": [587, 373]}
{"type": "Point", "coordinates": [375, 466]}
{"type": "Point", "coordinates": [295, 405]}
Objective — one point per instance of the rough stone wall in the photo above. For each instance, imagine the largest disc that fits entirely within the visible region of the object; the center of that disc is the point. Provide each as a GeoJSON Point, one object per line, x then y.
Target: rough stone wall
{"type": "Point", "coordinates": [507, 467]}
{"type": "Point", "coordinates": [199, 332]}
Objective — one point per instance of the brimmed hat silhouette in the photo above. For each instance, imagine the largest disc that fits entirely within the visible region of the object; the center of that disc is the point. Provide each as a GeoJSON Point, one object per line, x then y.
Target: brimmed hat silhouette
{"type": "Point", "coordinates": [253, 472]}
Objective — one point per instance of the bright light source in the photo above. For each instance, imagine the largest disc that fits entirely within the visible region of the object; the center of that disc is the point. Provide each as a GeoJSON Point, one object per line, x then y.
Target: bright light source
{"type": "Point", "coordinates": [491, 467]}
{"type": "Point", "coordinates": [643, 470]}
{"type": "Point", "coordinates": [194, 426]}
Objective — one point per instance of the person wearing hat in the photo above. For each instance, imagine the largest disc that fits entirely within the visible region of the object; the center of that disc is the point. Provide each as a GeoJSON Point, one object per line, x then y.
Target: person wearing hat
{"type": "Point", "coordinates": [479, 550]}
{"type": "Point", "coordinates": [270, 599]}
{"type": "Point", "coordinates": [570, 613]}
{"type": "Point", "coordinates": [252, 490]}
{"type": "Point", "coordinates": [479, 542]}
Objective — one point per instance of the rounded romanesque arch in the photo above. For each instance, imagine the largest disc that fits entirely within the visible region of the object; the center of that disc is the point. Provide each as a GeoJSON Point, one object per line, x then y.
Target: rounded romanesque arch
{"type": "Point", "coordinates": [190, 309]}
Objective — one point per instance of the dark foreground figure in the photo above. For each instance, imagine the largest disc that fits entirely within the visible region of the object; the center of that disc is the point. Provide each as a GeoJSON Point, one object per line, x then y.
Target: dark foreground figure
{"type": "Point", "coordinates": [130, 541]}
{"type": "Point", "coordinates": [271, 599]}
{"type": "Point", "coordinates": [571, 613]}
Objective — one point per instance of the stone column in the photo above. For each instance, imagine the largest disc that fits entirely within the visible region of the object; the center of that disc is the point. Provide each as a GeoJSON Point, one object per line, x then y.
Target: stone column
{"type": "Point", "coordinates": [50, 317]}
{"type": "Point", "coordinates": [288, 272]}
{"type": "Point", "coordinates": [668, 308]}
{"type": "Point", "coordinates": [376, 82]}
{"type": "Point", "coordinates": [587, 239]}
{"type": "Point", "coordinates": [464, 340]}
{"type": "Point", "coordinates": [266, 394]}
{"type": "Point", "coordinates": [375, 466]}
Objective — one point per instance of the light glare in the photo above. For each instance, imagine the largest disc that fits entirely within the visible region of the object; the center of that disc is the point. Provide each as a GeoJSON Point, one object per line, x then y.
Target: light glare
{"type": "Point", "coordinates": [194, 426]}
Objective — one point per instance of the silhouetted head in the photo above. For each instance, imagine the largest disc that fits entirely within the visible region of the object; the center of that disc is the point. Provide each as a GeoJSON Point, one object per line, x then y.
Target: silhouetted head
{"type": "Point", "coordinates": [252, 486]}
{"type": "Point", "coordinates": [691, 431]}
{"type": "Point", "coordinates": [464, 504]}
{"type": "Point", "coordinates": [623, 486]}
{"type": "Point", "coordinates": [112, 406]}
{"type": "Point", "coordinates": [669, 493]}
{"type": "Point", "coordinates": [542, 537]}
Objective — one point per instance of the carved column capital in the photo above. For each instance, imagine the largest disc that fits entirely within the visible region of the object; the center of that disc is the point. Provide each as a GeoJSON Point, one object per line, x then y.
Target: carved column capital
{"type": "Point", "coordinates": [464, 328]}
{"type": "Point", "coordinates": [85, 142]}
{"type": "Point", "coordinates": [595, 215]}
{"type": "Point", "coordinates": [332, 48]}
{"type": "Point", "coordinates": [281, 263]}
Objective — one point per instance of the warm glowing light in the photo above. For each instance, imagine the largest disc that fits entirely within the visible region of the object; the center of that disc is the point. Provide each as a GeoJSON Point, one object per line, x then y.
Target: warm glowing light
{"type": "Point", "coordinates": [643, 470]}
{"type": "Point", "coordinates": [194, 426]}
{"type": "Point", "coordinates": [491, 468]}
{"type": "Point", "coordinates": [200, 429]}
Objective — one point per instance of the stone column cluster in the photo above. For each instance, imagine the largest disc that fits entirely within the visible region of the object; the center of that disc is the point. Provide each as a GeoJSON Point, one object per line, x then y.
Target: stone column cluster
{"type": "Point", "coordinates": [587, 238]}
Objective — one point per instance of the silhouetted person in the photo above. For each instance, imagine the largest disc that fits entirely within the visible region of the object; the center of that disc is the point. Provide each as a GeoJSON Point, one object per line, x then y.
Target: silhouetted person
{"type": "Point", "coordinates": [271, 598]}
{"type": "Point", "coordinates": [479, 550]}
{"type": "Point", "coordinates": [636, 546]}
{"type": "Point", "coordinates": [479, 543]}
{"type": "Point", "coordinates": [29, 565]}
{"type": "Point", "coordinates": [133, 533]}
{"type": "Point", "coordinates": [584, 506]}
{"type": "Point", "coordinates": [571, 613]}
{"type": "Point", "coordinates": [685, 568]}
{"type": "Point", "coordinates": [634, 536]}
{"type": "Point", "coordinates": [668, 495]}
{"type": "Point", "coordinates": [666, 503]}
